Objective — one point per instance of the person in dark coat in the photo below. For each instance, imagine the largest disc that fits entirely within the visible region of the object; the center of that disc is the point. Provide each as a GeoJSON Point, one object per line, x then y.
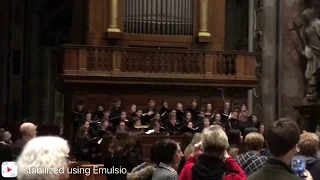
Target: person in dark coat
{"type": "Point", "coordinates": [5, 150]}
{"type": "Point", "coordinates": [282, 139]}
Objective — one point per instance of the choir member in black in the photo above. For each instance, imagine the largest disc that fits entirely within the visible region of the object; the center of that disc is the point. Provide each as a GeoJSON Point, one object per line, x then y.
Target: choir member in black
{"type": "Point", "coordinates": [105, 128]}
{"type": "Point", "coordinates": [78, 117]}
{"type": "Point", "coordinates": [205, 123]}
{"type": "Point", "coordinates": [99, 114]}
{"type": "Point", "coordinates": [208, 111]}
{"type": "Point", "coordinates": [96, 142]}
{"type": "Point", "coordinates": [190, 125]}
{"type": "Point", "coordinates": [156, 128]}
{"type": "Point", "coordinates": [233, 119]}
{"type": "Point", "coordinates": [122, 126]}
{"type": "Point", "coordinates": [94, 125]}
{"type": "Point", "coordinates": [243, 108]}
{"type": "Point", "coordinates": [172, 127]}
{"type": "Point", "coordinates": [243, 121]}
{"type": "Point", "coordinates": [225, 113]}
{"type": "Point", "coordinates": [139, 113]}
{"type": "Point", "coordinates": [106, 114]}
{"type": "Point", "coordinates": [193, 109]}
{"type": "Point", "coordinates": [180, 113]}
{"type": "Point", "coordinates": [164, 111]}
{"type": "Point", "coordinates": [188, 117]}
{"type": "Point", "coordinates": [136, 125]}
{"type": "Point", "coordinates": [252, 121]}
{"type": "Point", "coordinates": [87, 125]}
{"type": "Point", "coordinates": [156, 118]}
{"type": "Point", "coordinates": [88, 116]}
{"type": "Point", "coordinates": [132, 112]}
{"type": "Point", "coordinates": [123, 117]}
{"type": "Point", "coordinates": [149, 113]}
{"type": "Point", "coordinates": [82, 144]}
{"type": "Point", "coordinates": [115, 112]}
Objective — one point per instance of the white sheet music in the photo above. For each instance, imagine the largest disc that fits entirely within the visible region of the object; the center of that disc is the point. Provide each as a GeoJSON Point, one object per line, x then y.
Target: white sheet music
{"type": "Point", "coordinates": [150, 131]}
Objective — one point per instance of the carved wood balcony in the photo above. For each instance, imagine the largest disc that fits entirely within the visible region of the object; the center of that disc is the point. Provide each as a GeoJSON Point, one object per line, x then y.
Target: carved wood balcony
{"type": "Point", "coordinates": [103, 65]}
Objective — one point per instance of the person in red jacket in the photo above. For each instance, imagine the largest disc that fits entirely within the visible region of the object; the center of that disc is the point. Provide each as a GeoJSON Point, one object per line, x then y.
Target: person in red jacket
{"type": "Point", "coordinates": [210, 160]}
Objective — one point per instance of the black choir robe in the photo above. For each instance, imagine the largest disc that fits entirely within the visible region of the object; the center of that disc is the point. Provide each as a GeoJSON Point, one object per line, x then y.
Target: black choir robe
{"type": "Point", "coordinates": [115, 113]}
{"type": "Point", "coordinates": [173, 129]}
{"type": "Point", "coordinates": [194, 112]}
{"type": "Point", "coordinates": [145, 119]}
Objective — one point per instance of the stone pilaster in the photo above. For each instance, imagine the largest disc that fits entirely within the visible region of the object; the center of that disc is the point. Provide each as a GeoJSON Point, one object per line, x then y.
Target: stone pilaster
{"type": "Point", "coordinates": [35, 70]}
{"type": "Point", "coordinates": [291, 77]}
{"type": "Point", "coordinates": [269, 57]}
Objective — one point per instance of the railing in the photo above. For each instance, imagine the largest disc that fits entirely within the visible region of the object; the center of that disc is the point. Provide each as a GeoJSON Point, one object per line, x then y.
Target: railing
{"type": "Point", "coordinates": [160, 63]}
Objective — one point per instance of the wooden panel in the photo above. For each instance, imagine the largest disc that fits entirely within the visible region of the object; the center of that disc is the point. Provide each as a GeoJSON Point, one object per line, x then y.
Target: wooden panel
{"type": "Point", "coordinates": [96, 22]}
{"type": "Point", "coordinates": [92, 101]}
{"type": "Point", "coordinates": [217, 11]}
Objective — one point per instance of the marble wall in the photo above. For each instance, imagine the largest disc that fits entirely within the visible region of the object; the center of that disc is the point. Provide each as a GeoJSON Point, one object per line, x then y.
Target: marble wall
{"type": "Point", "coordinates": [291, 77]}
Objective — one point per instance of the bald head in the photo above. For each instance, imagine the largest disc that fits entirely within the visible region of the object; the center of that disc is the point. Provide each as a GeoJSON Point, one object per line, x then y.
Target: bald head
{"type": "Point", "coordinates": [28, 130]}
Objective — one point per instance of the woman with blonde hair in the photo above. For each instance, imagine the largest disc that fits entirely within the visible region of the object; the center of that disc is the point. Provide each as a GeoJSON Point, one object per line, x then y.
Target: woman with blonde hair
{"type": "Point", "coordinates": [196, 139]}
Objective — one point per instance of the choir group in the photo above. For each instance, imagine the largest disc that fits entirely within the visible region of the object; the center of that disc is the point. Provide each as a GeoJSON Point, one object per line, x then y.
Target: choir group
{"type": "Point", "coordinates": [92, 127]}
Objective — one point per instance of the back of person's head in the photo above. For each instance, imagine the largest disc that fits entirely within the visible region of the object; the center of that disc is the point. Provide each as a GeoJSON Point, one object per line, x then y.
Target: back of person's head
{"type": "Point", "coordinates": [234, 137]}
{"type": "Point", "coordinates": [2, 131]}
{"type": "Point", "coordinates": [7, 136]}
{"type": "Point", "coordinates": [249, 130]}
{"type": "Point", "coordinates": [282, 137]}
{"type": "Point", "coordinates": [186, 140]}
{"type": "Point", "coordinates": [214, 140]}
{"type": "Point", "coordinates": [44, 152]}
{"type": "Point", "coordinates": [308, 144]}
{"type": "Point", "coordinates": [28, 130]}
{"type": "Point", "coordinates": [154, 153]}
{"type": "Point", "coordinates": [118, 141]}
{"type": "Point", "coordinates": [166, 150]}
{"type": "Point", "coordinates": [233, 151]}
{"type": "Point", "coordinates": [254, 141]}
{"type": "Point", "coordinates": [132, 140]}
{"type": "Point", "coordinates": [196, 139]}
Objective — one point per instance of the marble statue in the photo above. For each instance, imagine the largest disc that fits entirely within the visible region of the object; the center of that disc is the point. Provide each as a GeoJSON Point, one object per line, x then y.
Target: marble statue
{"type": "Point", "coordinates": [310, 34]}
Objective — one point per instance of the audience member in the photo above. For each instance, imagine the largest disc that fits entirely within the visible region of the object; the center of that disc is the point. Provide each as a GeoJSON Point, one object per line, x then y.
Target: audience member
{"type": "Point", "coordinates": [195, 140]}
{"type": "Point", "coordinates": [186, 140]}
{"type": "Point", "coordinates": [145, 170]}
{"type": "Point", "coordinates": [235, 141]}
{"type": "Point", "coordinates": [308, 147]}
{"type": "Point", "coordinates": [28, 131]}
{"type": "Point", "coordinates": [169, 157]}
{"type": "Point", "coordinates": [120, 154]}
{"type": "Point", "coordinates": [282, 139]}
{"type": "Point", "coordinates": [251, 161]}
{"type": "Point", "coordinates": [44, 152]}
{"type": "Point", "coordinates": [7, 138]}
{"type": "Point", "coordinates": [5, 150]}
{"type": "Point", "coordinates": [214, 162]}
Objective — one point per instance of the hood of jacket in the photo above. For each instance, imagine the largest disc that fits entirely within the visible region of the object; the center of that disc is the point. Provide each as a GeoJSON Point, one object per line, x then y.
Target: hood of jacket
{"type": "Point", "coordinates": [142, 172]}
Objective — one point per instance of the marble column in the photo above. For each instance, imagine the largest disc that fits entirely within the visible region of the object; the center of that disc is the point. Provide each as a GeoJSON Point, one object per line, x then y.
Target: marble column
{"type": "Point", "coordinates": [291, 78]}
{"type": "Point", "coordinates": [269, 58]}
{"type": "Point", "coordinates": [113, 27]}
{"type": "Point", "coordinates": [203, 19]}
